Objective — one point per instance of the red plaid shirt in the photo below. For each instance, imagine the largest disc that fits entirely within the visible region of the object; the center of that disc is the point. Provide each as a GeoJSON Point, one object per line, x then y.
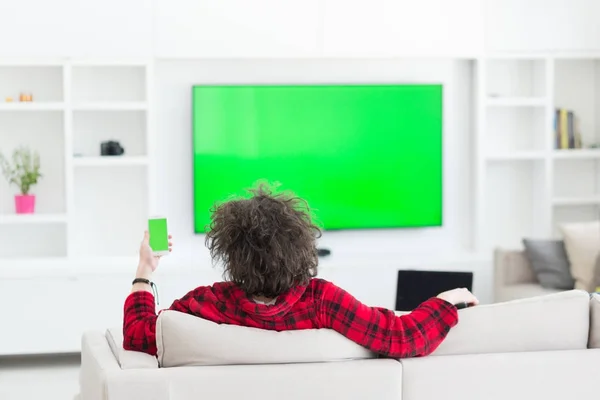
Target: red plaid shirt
{"type": "Point", "coordinates": [320, 304]}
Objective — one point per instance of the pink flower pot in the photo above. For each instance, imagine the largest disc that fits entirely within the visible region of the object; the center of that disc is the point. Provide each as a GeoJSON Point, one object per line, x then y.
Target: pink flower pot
{"type": "Point", "coordinates": [25, 204]}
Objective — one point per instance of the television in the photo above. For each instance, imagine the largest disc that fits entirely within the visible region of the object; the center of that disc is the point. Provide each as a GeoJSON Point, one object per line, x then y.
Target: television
{"type": "Point", "coordinates": [362, 156]}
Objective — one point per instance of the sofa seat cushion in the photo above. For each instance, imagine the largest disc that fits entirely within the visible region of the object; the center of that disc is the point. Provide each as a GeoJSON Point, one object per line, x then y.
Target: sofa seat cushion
{"type": "Point", "coordinates": [128, 359]}
{"type": "Point", "coordinates": [185, 340]}
{"type": "Point", "coordinates": [552, 322]}
{"type": "Point", "coordinates": [523, 291]}
{"type": "Point", "coordinates": [551, 375]}
{"type": "Point", "coordinates": [347, 380]}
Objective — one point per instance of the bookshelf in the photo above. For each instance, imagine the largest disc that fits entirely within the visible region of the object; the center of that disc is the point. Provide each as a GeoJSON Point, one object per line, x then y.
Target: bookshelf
{"type": "Point", "coordinates": [524, 186]}
{"type": "Point", "coordinates": [82, 197]}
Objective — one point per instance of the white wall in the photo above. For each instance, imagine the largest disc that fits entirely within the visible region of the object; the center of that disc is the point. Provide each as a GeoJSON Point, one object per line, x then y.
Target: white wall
{"type": "Point", "coordinates": [542, 25]}
{"type": "Point", "coordinates": [76, 28]}
{"type": "Point", "coordinates": [294, 28]}
{"type": "Point", "coordinates": [318, 28]}
{"type": "Point", "coordinates": [364, 261]}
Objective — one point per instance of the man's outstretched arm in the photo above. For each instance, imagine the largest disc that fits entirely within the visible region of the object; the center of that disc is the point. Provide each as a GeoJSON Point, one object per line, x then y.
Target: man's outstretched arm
{"type": "Point", "coordinates": [380, 330]}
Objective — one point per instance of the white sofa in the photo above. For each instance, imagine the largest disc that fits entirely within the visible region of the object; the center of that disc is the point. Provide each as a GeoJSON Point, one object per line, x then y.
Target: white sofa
{"type": "Point", "coordinates": [539, 348]}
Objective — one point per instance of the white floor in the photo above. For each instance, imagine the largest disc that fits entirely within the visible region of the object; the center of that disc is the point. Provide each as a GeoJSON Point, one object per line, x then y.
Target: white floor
{"type": "Point", "coordinates": [32, 378]}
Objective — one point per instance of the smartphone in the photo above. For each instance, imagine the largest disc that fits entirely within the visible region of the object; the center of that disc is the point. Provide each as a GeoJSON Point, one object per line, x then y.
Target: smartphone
{"type": "Point", "coordinates": [159, 235]}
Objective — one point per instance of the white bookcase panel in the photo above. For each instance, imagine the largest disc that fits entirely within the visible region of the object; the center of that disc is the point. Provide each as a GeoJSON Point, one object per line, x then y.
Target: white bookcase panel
{"type": "Point", "coordinates": [100, 84]}
{"type": "Point", "coordinates": [577, 88]}
{"type": "Point", "coordinates": [90, 128]}
{"type": "Point", "coordinates": [44, 83]}
{"type": "Point", "coordinates": [110, 211]}
{"type": "Point", "coordinates": [33, 240]}
{"type": "Point", "coordinates": [516, 78]}
{"type": "Point", "coordinates": [41, 131]}
{"type": "Point", "coordinates": [576, 178]}
{"type": "Point", "coordinates": [515, 129]}
{"type": "Point", "coordinates": [513, 195]}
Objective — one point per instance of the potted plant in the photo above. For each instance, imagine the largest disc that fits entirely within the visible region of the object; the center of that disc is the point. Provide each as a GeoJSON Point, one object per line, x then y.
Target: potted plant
{"type": "Point", "coordinates": [23, 171]}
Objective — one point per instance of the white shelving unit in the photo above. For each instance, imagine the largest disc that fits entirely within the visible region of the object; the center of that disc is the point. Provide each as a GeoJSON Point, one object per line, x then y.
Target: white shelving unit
{"type": "Point", "coordinates": [32, 106]}
{"type": "Point", "coordinates": [123, 106]}
{"type": "Point", "coordinates": [524, 186]}
{"type": "Point", "coordinates": [86, 205]}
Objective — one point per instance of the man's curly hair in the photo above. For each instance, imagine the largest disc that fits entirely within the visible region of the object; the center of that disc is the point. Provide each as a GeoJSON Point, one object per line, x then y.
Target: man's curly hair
{"type": "Point", "coordinates": [267, 243]}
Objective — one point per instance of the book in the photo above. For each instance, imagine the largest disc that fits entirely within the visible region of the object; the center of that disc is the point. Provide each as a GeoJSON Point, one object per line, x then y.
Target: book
{"type": "Point", "coordinates": [557, 129]}
{"type": "Point", "coordinates": [564, 128]}
{"type": "Point", "coordinates": [570, 130]}
{"type": "Point", "coordinates": [578, 142]}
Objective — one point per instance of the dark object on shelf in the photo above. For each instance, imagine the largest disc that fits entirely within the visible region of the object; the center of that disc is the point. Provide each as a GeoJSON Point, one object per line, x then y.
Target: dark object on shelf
{"type": "Point", "coordinates": [111, 148]}
{"type": "Point", "coordinates": [323, 252]}
{"type": "Point", "coordinates": [414, 287]}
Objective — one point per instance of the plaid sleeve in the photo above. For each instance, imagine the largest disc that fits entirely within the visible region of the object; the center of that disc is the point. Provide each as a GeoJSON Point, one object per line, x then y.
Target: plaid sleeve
{"type": "Point", "coordinates": [418, 333]}
{"type": "Point", "coordinates": [139, 323]}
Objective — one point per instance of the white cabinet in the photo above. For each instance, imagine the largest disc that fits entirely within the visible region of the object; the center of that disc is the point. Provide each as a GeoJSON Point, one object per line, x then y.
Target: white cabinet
{"type": "Point", "coordinates": [39, 316]}
{"type": "Point", "coordinates": [76, 28]}
{"type": "Point", "coordinates": [236, 28]}
{"type": "Point", "coordinates": [387, 28]}
{"type": "Point", "coordinates": [542, 25]}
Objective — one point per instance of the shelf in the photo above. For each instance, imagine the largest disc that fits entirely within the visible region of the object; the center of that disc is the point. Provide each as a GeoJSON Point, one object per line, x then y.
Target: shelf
{"type": "Point", "coordinates": [109, 161]}
{"type": "Point", "coordinates": [111, 106]}
{"type": "Point", "coordinates": [32, 219]}
{"type": "Point", "coordinates": [576, 154]}
{"type": "Point", "coordinates": [576, 201]}
{"type": "Point", "coordinates": [516, 101]}
{"type": "Point", "coordinates": [517, 156]}
{"type": "Point", "coordinates": [100, 62]}
{"type": "Point", "coordinates": [31, 106]}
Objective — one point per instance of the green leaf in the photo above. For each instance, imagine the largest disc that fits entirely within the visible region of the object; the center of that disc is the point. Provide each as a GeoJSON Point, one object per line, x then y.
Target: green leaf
{"type": "Point", "coordinates": [24, 171]}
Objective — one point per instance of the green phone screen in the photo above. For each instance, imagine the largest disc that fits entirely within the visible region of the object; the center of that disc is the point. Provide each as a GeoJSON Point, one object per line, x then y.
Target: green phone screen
{"type": "Point", "coordinates": [159, 236]}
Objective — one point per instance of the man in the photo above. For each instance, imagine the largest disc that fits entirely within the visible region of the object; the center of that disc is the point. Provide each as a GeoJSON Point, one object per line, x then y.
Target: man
{"type": "Point", "coordinates": [267, 245]}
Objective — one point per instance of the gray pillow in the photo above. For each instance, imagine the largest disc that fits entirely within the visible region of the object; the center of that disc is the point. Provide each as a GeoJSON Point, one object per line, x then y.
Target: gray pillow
{"type": "Point", "coordinates": [550, 262]}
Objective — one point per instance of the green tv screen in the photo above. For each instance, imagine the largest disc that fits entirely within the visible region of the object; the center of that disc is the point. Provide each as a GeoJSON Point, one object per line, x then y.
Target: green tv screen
{"type": "Point", "coordinates": [363, 156]}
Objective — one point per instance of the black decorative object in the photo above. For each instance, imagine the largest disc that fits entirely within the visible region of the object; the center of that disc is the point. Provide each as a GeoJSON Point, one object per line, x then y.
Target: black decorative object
{"type": "Point", "coordinates": [111, 148]}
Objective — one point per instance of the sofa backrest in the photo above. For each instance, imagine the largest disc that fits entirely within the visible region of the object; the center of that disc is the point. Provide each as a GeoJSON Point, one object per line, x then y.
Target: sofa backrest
{"type": "Point", "coordinates": [512, 267]}
{"type": "Point", "coordinates": [185, 340]}
{"type": "Point", "coordinates": [546, 323]}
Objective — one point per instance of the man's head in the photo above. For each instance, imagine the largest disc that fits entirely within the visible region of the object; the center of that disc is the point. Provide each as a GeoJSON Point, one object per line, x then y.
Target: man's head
{"type": "Point", "coordinates": [267, 243]}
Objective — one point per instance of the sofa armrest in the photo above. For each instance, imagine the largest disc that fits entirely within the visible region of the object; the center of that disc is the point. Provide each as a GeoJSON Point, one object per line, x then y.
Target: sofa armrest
{"type": "Point", "coordinates": [97, 363]}
{"type": "Point", "coordinates": [128, 359]}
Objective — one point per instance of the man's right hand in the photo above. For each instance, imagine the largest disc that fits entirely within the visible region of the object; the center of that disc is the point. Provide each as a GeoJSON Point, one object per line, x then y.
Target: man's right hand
{"type": "Point", "coordinates": [458, 296]}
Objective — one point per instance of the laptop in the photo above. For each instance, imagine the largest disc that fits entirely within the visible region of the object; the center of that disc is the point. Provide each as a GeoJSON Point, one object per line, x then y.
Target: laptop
{"type": "Point", "coordinates": [414, 287]}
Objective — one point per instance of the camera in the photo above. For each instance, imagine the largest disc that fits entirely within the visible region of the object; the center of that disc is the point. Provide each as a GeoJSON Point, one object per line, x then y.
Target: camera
{"type": "Point", "coordinates": [111, 148]}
